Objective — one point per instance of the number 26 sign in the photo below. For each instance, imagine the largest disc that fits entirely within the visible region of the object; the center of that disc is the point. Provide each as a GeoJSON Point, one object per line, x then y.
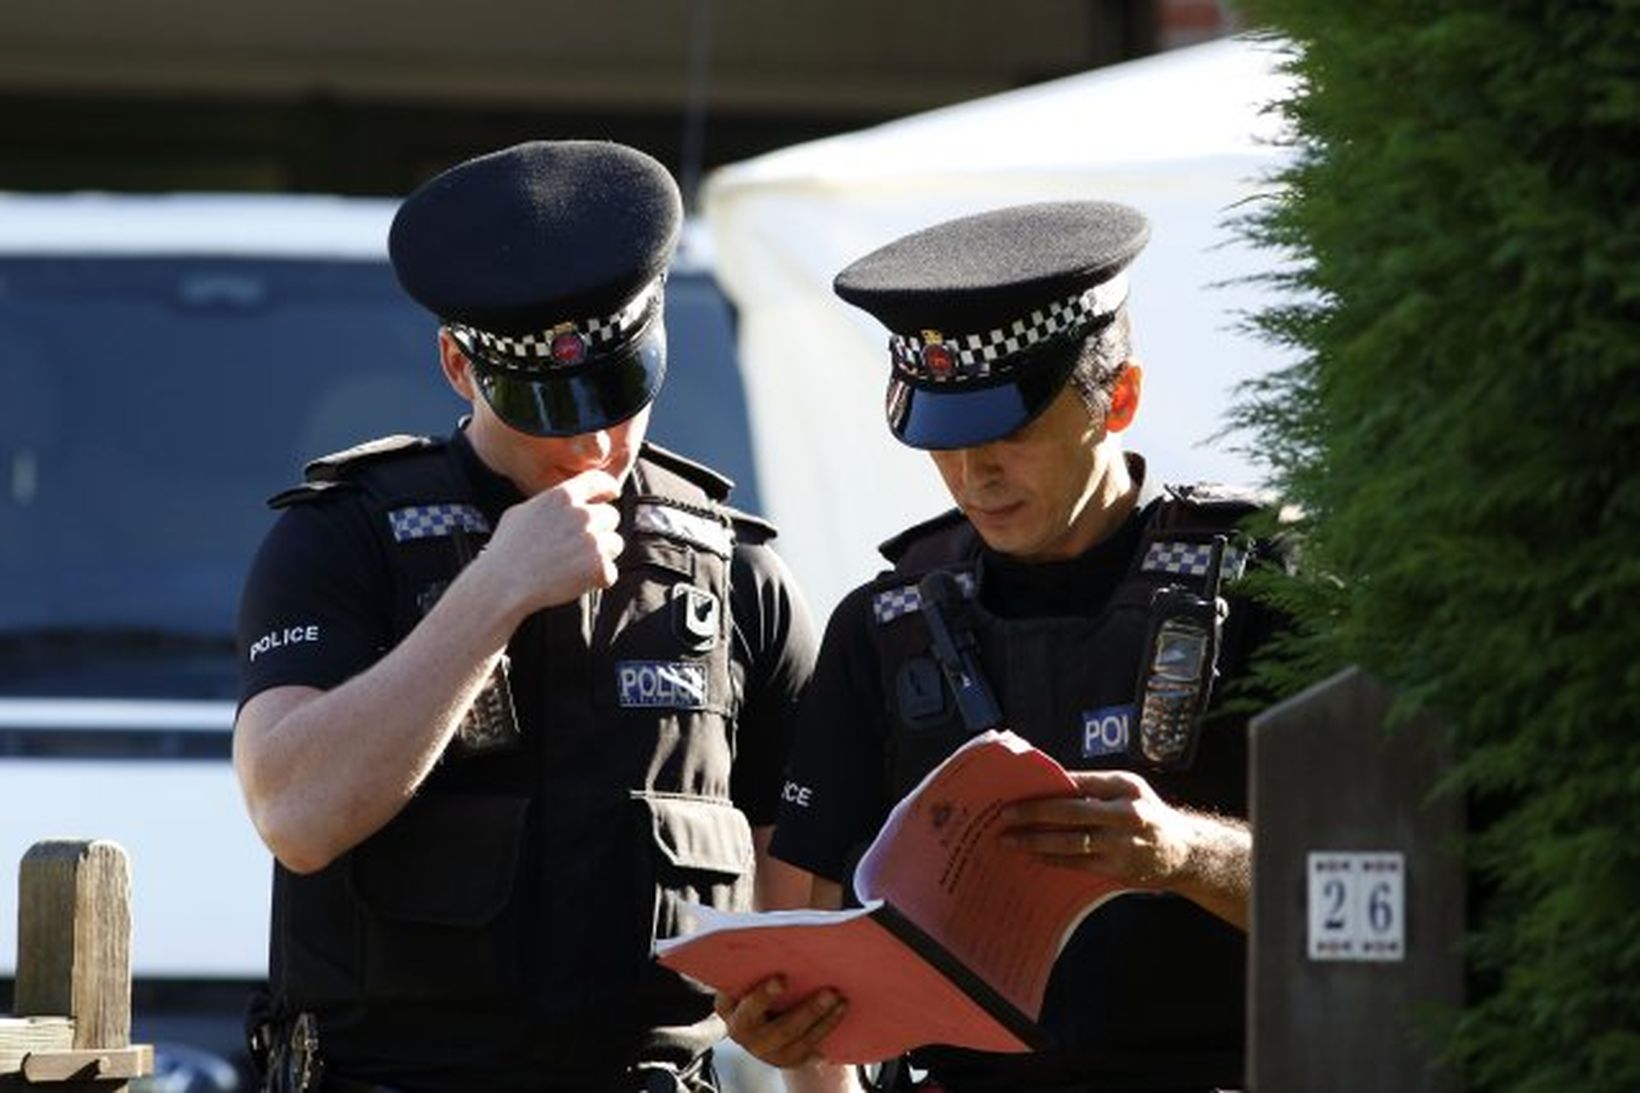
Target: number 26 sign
{"type": "Point", "coordinates": [1357, 906]}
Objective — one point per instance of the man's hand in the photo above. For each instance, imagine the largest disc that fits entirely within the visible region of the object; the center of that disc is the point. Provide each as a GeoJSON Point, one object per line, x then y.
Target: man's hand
{"type": "Point", "coordinates": [788, 1037]}
{"type": "Point", "coordinates": [1118, 827]}
{"type": "Point", "coordinates": [560, 543]}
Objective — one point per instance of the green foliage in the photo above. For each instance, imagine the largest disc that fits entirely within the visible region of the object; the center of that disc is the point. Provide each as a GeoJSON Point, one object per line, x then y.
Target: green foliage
{"type": "Point", "coordinates": [1461, 431]}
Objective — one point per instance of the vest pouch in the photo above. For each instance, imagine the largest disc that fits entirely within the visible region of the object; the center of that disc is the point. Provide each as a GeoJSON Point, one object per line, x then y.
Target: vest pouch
{"type": "Point", "coordinates": [701, 853]}
{"type": "Point", "coordinates": [436, 890]}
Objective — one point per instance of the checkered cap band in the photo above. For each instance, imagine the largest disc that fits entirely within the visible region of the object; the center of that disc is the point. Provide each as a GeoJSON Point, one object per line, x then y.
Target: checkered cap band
{"type": "Point", "coordinates": [985, 354]}
{"type": "Point", "coordinates": [435, 521]}
{"type": "Point", "coordinates": [533, 352]}
{"type": "Point", "coordinates": [892, 603]}
{"type": "Point", "coordinates": [1191, 559]}
{"type": "Point", "coordinates": [691, 527]}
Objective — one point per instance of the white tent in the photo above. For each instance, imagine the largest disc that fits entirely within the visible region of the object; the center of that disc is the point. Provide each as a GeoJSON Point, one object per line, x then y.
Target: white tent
{"type": "Point", "coordinates": [1184, 135]}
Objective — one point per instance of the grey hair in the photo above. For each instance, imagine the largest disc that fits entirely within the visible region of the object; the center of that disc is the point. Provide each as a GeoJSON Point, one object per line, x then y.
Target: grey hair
{"type": "Point", "coordinates": [1104, 354]}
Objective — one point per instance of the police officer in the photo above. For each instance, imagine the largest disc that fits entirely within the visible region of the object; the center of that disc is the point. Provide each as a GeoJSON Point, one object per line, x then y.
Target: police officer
{"type": "Point", "coordinates": [1096, 604]}
{"type": "Point", "coordinates": [512, 695]}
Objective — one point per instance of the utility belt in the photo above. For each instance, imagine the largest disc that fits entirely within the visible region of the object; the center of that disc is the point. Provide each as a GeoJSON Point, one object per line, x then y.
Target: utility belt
{"type": "Point", "coordinates": [288, 1056]}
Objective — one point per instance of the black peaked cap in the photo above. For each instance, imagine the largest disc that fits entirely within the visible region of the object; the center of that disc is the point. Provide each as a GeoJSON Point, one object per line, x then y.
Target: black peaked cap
{"type": "Point", "coordinates": [988, 269]}
{"type": "Point", "coordinates": [539, 233]}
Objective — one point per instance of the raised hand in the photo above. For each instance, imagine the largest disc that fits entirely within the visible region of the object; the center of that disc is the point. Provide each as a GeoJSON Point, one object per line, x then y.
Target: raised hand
{"type": "Point", "coordinates": [560, 543]}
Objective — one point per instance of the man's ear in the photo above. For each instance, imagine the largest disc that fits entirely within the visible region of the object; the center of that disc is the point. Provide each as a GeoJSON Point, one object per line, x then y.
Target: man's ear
{"type": "Point", "coordinates": [458, 370]}
{"type": "Point", "coordinates": [1124, 396]}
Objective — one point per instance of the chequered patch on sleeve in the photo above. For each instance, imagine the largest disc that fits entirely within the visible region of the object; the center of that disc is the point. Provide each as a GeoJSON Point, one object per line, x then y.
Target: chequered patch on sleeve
{"type": "Point", "coordinates": [435, 521]}
{"type": "Point", "coordinates": [1191, 559]}
{"type": "Point", "coordinates": [675, 523]}
{"type": "Point", "coordinates": [892, 603]}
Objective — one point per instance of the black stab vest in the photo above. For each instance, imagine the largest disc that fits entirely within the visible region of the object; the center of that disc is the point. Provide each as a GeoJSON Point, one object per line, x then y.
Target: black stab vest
{"type": "Point", "coordinates": [1148, 980]}
{"type": "Point", "coordinates": [534, 877]}
{"type": "Point", "coordinates": [1047, 673]}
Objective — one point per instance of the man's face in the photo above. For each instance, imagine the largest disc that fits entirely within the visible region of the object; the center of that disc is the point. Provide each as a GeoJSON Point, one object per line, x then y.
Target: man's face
{"type": "Point", "coordinates": [1034, 495]}
{"type": "Point", "coordinates": [538, 463]}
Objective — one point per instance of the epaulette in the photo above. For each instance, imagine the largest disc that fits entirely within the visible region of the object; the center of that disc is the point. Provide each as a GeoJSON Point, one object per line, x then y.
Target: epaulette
{"type": "Point", "coordinates": [1190, 515]}
{"type": "Point", "coordinates": [717, 486]}
{"type": "Point", "coordinates": [327, 473]}
{"type": "Point", "coordinates": [1221, 496]}
{"type": "Point", "coordinates": [894, 549]}
{"type": "Point", "coordinates": [750, 529]}
{"type": "Point", "coordinates": [307, 491]}
{"type": "Point", "coordinates": [328, 468]}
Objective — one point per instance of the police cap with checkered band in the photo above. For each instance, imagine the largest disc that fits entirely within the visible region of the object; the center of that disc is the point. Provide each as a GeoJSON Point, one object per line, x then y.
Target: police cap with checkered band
{"type": "Point", "coordinates": [546, 262]}
{"type": "Point", "coordinates": [987, 314]}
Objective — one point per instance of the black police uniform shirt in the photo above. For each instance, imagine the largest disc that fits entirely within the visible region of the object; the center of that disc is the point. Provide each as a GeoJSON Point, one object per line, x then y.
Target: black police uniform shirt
{"type": "Point", "coordinates": [318, 609]}
{"type": "Point", "coordinates": [1147, 995]}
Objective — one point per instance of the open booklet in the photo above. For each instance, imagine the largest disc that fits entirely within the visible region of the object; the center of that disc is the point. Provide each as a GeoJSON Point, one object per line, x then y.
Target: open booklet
{"type": "Point", "coordinates": [956, 934]}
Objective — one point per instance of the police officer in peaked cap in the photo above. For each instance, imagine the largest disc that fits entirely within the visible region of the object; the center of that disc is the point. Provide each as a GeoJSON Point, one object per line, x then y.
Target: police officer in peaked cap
{"type": "Point", "coordinates": [512, 670]}
{"type": "Point", "coordinates": [1072, 577]}
{"type": "Point", "coordinates": [546, 263]}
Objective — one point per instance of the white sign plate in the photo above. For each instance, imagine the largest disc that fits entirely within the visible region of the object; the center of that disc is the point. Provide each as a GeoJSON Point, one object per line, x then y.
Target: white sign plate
{"type": "Point", "coordinates": [1357, 905]}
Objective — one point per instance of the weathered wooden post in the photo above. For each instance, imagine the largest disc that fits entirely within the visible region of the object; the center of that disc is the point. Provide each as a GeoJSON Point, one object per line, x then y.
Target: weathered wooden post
{"type": "Point", "coordinates": [1358, 895]}
{"type": "Point", "coordinates": [72, 1029]}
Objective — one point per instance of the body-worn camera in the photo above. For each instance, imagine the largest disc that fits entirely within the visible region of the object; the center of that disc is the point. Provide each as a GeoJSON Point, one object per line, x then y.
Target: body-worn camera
{"type": "Point", "coordinates": [1179, 666]}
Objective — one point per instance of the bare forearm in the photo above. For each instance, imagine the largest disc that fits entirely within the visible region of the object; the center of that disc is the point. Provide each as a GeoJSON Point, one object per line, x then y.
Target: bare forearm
{"type": "Point", "coordinates": [780, 886]}
{"type": "Point", "coordinates": [1218, 869]}
{"type": "Point", "coordinates": [327, 769]}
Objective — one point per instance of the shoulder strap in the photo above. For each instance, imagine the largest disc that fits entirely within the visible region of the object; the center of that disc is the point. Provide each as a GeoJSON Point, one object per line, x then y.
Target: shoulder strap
{"type": "Point", "coordinates": [715, 485]}
{"type": "Point", "coordinates": [668, 477]}
{"type": "Point", "coordinates": [340, 470]}
{"type": "Point", "coordinates": [935, 529]}
{"type": "Point", "coordinates": [417, 500]}
{"type": "Point", "coordinates": [1179, 536]}
{"type": "Point", "coordinates": [681, 500]}
{"type": "Point", "coordinates": [1211, 503]}
{"type": "Point", "coordinates": [749, 528]}
{"type": "Point", "coordinates": [946, 542]}
{"type": "Point", "coordinates": [329, 468]}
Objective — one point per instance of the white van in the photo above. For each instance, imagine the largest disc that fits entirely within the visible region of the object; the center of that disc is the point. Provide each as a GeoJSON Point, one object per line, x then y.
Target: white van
{"type": "Point", "coordinates": [167, 363]}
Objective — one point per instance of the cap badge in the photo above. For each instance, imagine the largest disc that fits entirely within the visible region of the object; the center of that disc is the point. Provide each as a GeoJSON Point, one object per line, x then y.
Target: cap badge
{"type": "Point", "coordinates": [937, 357]}
{"type": "Point", "coordinates": [569, 345]}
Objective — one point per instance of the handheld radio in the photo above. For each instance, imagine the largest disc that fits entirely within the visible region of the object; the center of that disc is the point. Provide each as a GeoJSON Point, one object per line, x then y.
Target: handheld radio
{"type": "Point", "coordinates": [1179, 666]}
{"type": "Point", "coordinates": [957, 653]}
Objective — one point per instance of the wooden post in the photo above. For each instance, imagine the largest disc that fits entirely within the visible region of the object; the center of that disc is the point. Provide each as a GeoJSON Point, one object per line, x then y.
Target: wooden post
{"type": "Point", "coordinates": [73, 990]}
{"type": "Point", "coordinates": [1358, 895]}
{"type": "Point", "coordinates": [74, 921]}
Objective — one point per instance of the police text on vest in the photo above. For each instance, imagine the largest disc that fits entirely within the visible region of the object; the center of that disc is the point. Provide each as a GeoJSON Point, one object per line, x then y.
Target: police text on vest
{"type": "Point", "coordinates": [675, 685]}
{"type": "Point", "coordinates": [1105, 731]}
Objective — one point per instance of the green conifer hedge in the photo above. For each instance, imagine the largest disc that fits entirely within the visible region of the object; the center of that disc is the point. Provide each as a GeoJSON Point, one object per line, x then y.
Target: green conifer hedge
{"type": "Point", "coordinates": [1463, 430]}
